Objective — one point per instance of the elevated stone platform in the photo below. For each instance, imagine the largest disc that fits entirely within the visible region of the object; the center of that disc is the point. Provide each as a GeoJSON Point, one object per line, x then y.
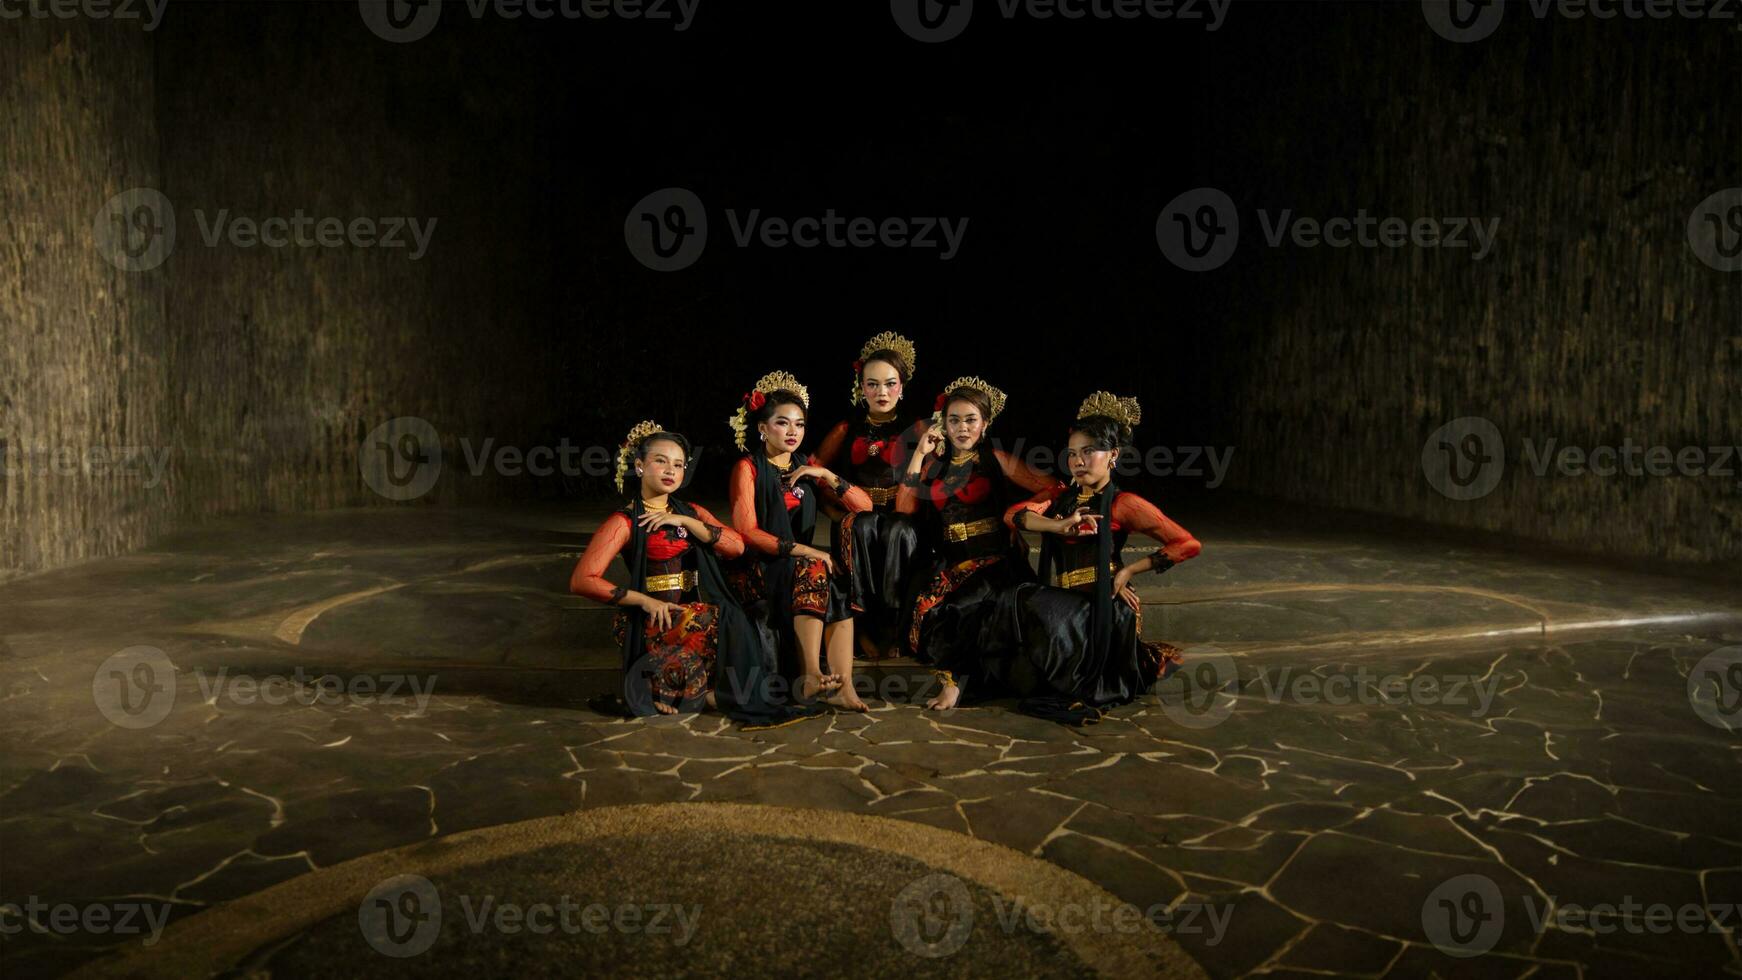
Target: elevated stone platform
{"type": "Point", "coordinates": [1368, 716]}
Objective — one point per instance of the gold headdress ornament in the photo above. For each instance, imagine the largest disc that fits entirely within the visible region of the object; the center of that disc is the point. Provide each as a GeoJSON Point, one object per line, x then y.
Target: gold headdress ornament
{"type": "Point", "coordinates": [626, 451]}
{"type": "Point", "coordinates": [887, 340]}
{"type": "Point", "coordinates": [1123, 410]}
{"type": "Point", "coordinates": [771, 382]}
{"type": "Point", "coordinates": [994, 397]}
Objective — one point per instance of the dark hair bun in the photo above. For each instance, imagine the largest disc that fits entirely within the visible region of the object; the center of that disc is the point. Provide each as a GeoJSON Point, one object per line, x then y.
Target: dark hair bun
{"type": "Point", "coordinates": [772, 404]}
{"type": "Point", "coordinates": [1104, 431]}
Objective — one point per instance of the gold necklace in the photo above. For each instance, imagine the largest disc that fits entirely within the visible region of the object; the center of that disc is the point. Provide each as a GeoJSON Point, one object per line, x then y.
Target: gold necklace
{"type": "Point", "coordinates": [968, 457]}
{"type": "Point", "coordinates": [655, 508]}
{"type": "Point", "coordinates": [876, 419]}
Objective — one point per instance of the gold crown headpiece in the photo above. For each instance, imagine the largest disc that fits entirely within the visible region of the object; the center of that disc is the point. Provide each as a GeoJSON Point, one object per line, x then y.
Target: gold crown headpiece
{"type": "Point", "coordinates": [627, 451]}
{"type": "Point", "coordinates": [994, 398]}
{"type": "Point", "coordinates": [887, 340]}
{"type": "Point", "coordinates": [1124, 410]}
{"type": "Point", "coordinates": [754, 398]}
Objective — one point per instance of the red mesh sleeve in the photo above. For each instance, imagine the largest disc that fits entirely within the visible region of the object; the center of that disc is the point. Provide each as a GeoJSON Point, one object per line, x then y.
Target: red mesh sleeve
{"type": "Point", "coordinates": [589, 575]}
{"type": "Point", "coordinates": [744, 510]}
{"type": "Point", "coordinates": [728, 544]}
{"type": "Point", "coordinates": [1139, 515]}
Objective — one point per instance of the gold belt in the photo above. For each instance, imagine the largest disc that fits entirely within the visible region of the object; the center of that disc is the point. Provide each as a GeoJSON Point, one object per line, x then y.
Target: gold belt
{"type": "Point", "coordinates": [675, 582]}
{"type": "Point", "coordinates": [972, 529]}
{"type": "Point", "coordinates": [1081, 576]}
{"type": "Point", "coordinates": [880, 495]}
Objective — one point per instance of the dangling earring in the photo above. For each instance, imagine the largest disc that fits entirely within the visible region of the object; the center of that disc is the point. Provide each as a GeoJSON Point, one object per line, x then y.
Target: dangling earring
{"type": "Point", "coordinates": [762, 437]}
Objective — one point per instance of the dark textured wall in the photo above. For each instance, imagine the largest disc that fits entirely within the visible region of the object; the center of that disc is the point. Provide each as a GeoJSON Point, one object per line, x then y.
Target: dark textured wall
{"type": "Point", "coordinates": [259, 370]}
{"type": "Point", "coordinates": [81, 342]}
{"type": "Point", "coordinates": [1591, 323]}
{"type": "Point", "coordinates": [285, 358]}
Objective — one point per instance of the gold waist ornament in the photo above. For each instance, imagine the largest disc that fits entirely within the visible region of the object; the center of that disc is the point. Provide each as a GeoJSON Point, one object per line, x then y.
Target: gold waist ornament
{"type": "Point", "coordinates": [972, 529]}
{"type": "Point", "coordinates": [675, 582]}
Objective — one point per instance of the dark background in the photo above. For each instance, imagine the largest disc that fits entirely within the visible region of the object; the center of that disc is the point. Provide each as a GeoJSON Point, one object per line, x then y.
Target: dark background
{"type": "Point", "coordinates": [529, 322]}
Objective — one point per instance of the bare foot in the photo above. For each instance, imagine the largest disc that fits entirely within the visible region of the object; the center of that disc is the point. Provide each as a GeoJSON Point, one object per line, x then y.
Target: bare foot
{"type": "Point", "coordinates": [847, 699]}
{"type": "Point", "coordinates": [663, 708]}
{"type": "Point", "coordinates": [811, 685]}
{"type": "Point", "coordinates": [710, 700]}
{"type": "Point", "coordinates": [946, 700]}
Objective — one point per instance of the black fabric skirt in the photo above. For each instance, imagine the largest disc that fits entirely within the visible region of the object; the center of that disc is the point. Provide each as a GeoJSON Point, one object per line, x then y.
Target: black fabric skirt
{"type": "Point", "coordinates": [1045, 632]}
{"type": "Point", "coordinates": [879, 556]}
{"type": "Point", "coordinates": [947, 617]}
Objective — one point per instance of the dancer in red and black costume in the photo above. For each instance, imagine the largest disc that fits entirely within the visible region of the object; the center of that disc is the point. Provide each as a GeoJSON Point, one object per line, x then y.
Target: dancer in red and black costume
{"type": "Point", "coordinates": [878, 550]}
{"type": "Point", "coordinates": [685, 639]}
{"type": "Point", "coordinates": [1078, 638]}
{"type": "Point", "coordinates": [961, 486]}
{"type": "Point", "coordinates": [794, 587]}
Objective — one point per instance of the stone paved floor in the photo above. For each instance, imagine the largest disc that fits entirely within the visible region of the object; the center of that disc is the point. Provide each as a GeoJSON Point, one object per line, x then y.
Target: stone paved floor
{"type": "Point", "coordinates": [1299, 820]}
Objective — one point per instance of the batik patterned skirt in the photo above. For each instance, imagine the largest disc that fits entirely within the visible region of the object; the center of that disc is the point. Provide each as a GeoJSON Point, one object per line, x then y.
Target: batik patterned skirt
{"type": "Point", "coordinates": [680, 656]}
{"type": "Point", "coordinates": [814, 591]}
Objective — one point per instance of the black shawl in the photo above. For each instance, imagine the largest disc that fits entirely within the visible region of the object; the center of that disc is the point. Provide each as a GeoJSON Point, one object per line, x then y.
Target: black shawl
{"type": "Point", "coordinates": [743, 667]}
{"type": "Point", "coordinates": [790, 529]}
{"type": "Point", "coordinates": [1051, 548]}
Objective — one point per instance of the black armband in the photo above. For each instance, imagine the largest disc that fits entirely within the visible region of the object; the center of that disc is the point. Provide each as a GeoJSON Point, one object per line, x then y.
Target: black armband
{"type": "Point", "coordinates": [1161, 561]}
{"type": "Point", "coordinates": [617, 595]}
